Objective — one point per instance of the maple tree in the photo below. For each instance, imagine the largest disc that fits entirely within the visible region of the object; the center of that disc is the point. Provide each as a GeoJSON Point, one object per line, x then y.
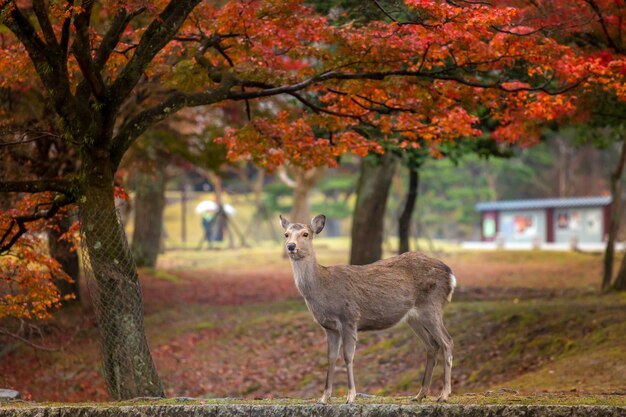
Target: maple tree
{"type": "Point", "coordinates": [595, 28]}
{"type": "Point", "coordinates": [111, 69]}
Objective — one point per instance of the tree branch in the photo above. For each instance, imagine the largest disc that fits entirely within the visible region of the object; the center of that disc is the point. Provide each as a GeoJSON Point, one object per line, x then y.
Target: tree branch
{"type": "Point", "coordinates": [161, 31]}
{"type": "Point", "coordinates": [39, 7]}
{"type": "Point", "coordinates": [82, 51]}
{"type": "Point", "coordinates": [609, 38]}
{"type": "Point", "coordinates": [38, 186]}
{"type": "Point", "coordinates": [65, 29]}
{"type": "Point", "coordinates": [138, 124]}
{"type": "Point", "coordinates": [112, 36]}
{"type": "Point", "coordinates": [12, 17]}
{"type": "Point", "coordinates": [109, 41]}
{"type": "Point", "coordinates": [59, 201]}
{"type": "Point", "coordinates": [28, 342]}
{"type": "Point", "coordinates": [51, 66]}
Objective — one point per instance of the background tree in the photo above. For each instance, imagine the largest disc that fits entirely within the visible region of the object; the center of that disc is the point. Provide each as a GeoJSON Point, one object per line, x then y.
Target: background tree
{"type": "Point", "coordinates": [595, 27]}
{"type": "Point", "coordinates": [372, 190]}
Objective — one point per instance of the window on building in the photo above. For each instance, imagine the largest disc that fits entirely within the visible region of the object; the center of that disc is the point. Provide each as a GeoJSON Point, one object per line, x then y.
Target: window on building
{"type": "Point", "coordinates": [568, 220]}
{"type": "Point", "coordinates": [524, 226]}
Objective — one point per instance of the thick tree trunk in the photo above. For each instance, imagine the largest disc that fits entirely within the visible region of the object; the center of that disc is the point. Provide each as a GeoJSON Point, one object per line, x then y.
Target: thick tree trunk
{"type": "Point", "coordinates": [149, 206]}
{"type": "Point", "coordinates": [404, 221]}
{"type": "Point", "coordinates": [128, 367]}
{"type": "Point", "coordinates": [368, 220]}
{"type": "Point", "coordinates": [616, 193]}
{"type": "Point", "coordinates": [64, 253]}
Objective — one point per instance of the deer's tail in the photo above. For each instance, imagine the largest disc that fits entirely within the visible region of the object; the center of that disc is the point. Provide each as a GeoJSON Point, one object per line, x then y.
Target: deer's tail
{"type": "Point", "coordinates": [452, 286]}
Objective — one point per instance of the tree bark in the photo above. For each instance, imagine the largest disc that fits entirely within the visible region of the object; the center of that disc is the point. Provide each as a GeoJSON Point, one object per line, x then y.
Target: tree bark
{"type": "Point", "coordinates": [620, 280]}
{"type": "Point", "coordinates": [369, 212]}
{"type": "Point", "coordinates": [616, 193]}
{"type": "Point", "coordinates": [128, 367]}
{"type": "Point", "coordinates": [64, 253]}
{"type": "Point", "coordinates": [149, 206]}
{"type": "Point", "coordinates": [302, 183]}
{"type": "Point", "coordinates": [404, 221]}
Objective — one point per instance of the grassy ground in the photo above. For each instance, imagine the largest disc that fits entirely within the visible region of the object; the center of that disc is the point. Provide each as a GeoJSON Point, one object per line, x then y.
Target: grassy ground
{"type": "Point", "coordinates": [230, 323]}
{"type": "Point", "coordinates": [488, 398]}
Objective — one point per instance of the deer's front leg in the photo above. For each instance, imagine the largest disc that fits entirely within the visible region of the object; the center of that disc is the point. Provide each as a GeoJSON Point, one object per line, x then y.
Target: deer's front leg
{"type": "Point", "coordinates": [334, 341]}
{"type": "Point", "coordinates": [348, 336]}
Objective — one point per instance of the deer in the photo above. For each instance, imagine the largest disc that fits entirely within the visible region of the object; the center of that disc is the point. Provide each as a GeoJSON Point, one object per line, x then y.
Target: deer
{"type": "Point", "coordinates": [345, 299]}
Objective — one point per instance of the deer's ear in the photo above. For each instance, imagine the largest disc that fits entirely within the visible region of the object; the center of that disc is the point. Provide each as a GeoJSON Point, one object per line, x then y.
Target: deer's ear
{"type": "Point", "coordinates": [283, 222]}
{"type": "Point", "coordinates": [317, 223]}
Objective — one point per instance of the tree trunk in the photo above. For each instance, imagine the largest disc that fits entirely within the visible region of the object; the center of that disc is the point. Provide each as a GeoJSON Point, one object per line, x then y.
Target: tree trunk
{"type": "Point", "coordinates": [149, 206]}
{"type": "Point", "coordinates": [128, 367]}
{"type": "Point", "coordinates": [369, 212]}
{"type": "Point", "coordinates": [302, 183]}
{"type": "Point", "coordinates": [620, 280]}
{"type": "Point", "coordinates": [300, 210]}
{"type": "Point", "coordinates": [616, 193]}
{"type": "Point", "coordinates": [404, 221]}
{"type": "Point", "coordinates": [64, 253]}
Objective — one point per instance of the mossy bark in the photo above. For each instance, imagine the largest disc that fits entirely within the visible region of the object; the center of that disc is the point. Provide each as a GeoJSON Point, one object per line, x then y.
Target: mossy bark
{"type": "Point", "coordinates": [128, 367]}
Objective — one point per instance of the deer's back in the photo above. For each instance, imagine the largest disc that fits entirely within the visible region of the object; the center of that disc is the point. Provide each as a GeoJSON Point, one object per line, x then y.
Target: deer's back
{"type": "Point", "coordinates": [379, 295]}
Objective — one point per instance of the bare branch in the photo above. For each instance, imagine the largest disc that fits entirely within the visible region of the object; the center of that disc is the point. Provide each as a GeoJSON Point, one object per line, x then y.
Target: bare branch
{"type": "Point", "coordinates": [28, 342]}
{"type": "Point", "coordinates": [26, 138]}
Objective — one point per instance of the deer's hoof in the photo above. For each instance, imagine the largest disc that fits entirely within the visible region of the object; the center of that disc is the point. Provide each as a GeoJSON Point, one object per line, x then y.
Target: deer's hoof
{"type": "Point", "coordinates": [419, 397]}
{"type": "Point", "coordinates": [442, 398]}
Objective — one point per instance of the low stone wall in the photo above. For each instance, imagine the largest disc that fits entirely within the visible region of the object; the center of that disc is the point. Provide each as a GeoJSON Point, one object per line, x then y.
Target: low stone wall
{"type": "Point", "coordinates": [365, 410]}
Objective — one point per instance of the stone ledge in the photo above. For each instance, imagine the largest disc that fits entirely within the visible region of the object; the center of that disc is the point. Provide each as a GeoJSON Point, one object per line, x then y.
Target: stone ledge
{"type": "Point", "coordinates": [364, 410]}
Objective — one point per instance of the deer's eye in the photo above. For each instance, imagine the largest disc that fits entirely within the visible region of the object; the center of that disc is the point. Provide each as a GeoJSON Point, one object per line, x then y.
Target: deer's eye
{"type": "Point", "coordinates": [286, 234]}
{"type": "Point", "coordinates": [305, 234]}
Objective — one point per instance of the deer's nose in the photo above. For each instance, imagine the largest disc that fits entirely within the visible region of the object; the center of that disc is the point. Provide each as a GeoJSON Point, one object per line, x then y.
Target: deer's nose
{"type": "Point", "coordinates": [291, 247]}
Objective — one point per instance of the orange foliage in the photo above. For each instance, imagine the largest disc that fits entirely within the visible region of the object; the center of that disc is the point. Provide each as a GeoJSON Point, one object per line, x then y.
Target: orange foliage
{"type": "Point", "coordinates": [26, 270]}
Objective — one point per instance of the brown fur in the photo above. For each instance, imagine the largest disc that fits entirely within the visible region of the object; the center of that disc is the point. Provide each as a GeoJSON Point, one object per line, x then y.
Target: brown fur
{"type": "Point", "coordinates": [346, 298]}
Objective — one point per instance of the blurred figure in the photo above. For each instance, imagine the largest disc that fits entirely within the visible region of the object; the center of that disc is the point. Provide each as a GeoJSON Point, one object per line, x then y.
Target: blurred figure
{"type": "Point", "coordinates": [207, 226]}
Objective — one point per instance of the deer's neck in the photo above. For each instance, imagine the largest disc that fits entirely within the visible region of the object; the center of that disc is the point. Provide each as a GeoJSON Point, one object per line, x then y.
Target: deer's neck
{"type": "Point", "coordinates": [306, 275]}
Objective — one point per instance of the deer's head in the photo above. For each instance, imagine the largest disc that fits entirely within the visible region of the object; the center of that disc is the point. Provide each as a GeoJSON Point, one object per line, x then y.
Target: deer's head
{"type": "Point", "coordinates": [299, 236]}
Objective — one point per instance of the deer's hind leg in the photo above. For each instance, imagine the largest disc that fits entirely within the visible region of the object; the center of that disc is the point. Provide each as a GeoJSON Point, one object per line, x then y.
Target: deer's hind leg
{"type": "Point", "coordinates": [432, 322]}
{"type": "Point", "coordinates": [432, 352]}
